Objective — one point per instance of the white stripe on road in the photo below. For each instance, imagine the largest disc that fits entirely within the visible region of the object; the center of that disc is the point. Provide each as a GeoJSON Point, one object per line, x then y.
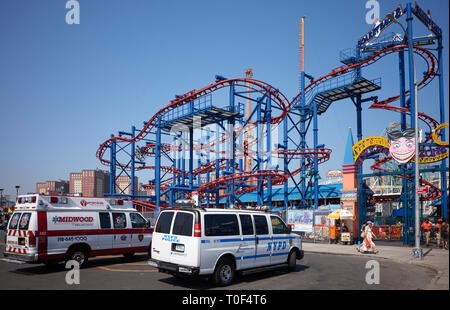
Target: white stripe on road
{"type": "Point", "coordinates": [12, 261]}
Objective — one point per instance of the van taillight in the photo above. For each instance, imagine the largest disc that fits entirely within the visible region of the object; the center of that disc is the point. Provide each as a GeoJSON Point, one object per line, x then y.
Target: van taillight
{"type": "Point", "coordinates": [31, 241]}
{"type": "Point", "coordinates": [197, 230]}
{"type": "Point", "coordinates": [54, 199]}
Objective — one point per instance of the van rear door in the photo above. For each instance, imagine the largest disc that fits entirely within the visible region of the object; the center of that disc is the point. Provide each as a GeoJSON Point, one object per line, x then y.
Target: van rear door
{"type": "Point", "coordinates": [173, 239]}
{"type": "Point", "coordinates": [161, 243]}
{"type": "Point", "coordinates": [183, 248]}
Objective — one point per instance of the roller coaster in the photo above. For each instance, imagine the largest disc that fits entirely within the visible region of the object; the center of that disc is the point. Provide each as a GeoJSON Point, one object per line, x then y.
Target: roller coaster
{"type": "Point", "coordinates": [207, 146]}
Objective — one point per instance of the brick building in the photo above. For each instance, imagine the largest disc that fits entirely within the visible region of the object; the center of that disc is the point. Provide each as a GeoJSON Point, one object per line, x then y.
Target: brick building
{"type": "Point", "coordinates": [60, 187]}
{"type": "Point", "coordinates": [89, 183]}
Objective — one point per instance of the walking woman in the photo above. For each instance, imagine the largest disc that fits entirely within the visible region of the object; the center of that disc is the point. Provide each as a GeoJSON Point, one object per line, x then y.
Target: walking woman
{"type": "Point", "coordinates": [367, 245]}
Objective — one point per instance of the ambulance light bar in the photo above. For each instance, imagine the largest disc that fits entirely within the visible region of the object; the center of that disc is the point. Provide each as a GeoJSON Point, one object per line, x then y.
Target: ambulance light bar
{"type": "Point", "coordinates": [115, 202]}
{"type": "Point", "coordinates": [61, 200]}
{"type": "Point", "coordinates": [31, 199]}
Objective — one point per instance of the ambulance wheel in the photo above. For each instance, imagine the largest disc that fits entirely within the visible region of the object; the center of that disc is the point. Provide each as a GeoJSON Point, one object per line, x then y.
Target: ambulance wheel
{"type": "Point", "coordinates": [79, 255]}
{"type": "Point", "coordinates": [224, 273]}
{"type": "Point", "coordinates": [292, 261]}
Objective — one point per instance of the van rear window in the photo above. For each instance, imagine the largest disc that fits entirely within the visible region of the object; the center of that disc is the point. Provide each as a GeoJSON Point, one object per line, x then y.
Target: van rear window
{"type": "Point", "coordinates": [183, 224]}
{"type": "Point", "coordinates": [164, 222]}
{"type": "Point", "coordinates": [14, 221]}
{"type": "Point", "coordinates": [221, 225]}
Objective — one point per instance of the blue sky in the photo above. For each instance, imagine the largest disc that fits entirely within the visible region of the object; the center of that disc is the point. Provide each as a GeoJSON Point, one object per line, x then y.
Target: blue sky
{"type": "Point", "coordinates": [65, 88]}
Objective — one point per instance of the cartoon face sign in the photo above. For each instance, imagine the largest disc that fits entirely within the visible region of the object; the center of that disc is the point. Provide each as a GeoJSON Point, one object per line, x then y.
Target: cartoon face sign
{"type": "Point", "coordinates": [402, 145]}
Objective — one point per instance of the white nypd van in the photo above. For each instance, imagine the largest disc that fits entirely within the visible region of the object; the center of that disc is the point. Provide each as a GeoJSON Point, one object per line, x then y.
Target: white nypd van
{"type": "Point", "coordinates": [49, 229]}
{"type": "Point", "coordinates": [220, 242]}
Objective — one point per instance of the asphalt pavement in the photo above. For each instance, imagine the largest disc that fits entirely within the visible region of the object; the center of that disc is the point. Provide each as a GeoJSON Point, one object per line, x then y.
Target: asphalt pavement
{"type": "Point", "coordinates": [324, 267]}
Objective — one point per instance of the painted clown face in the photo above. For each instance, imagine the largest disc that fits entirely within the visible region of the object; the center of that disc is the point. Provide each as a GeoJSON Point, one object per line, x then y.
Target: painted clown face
{"type": "Point", "coordinates": [402, 145]}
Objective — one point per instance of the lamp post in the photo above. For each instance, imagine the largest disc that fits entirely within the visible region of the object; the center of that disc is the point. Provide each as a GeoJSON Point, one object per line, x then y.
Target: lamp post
{"type": "Point", "coordinates": [1, 199]}
{"type": "Point", "coordinates": [417, 251]}
{"type": "Point", "coordinates": [17, 191]}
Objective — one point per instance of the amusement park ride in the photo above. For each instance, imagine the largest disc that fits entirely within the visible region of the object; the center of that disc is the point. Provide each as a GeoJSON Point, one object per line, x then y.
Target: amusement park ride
{"type": "Point", "coordinates": [220, 152]}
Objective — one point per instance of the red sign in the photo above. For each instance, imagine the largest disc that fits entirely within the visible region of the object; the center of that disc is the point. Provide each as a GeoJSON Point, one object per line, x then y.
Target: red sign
{"type": "Point", "coordinates": [422, 190]}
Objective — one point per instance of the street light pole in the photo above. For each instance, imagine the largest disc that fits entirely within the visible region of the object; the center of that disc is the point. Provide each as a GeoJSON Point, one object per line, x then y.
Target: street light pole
{"type": "Point", "coordinates": [17, 191]}
{"type": "Point", "coordinates": [1, 199]}
{"type": "Point", "coordinates": [417, 250]}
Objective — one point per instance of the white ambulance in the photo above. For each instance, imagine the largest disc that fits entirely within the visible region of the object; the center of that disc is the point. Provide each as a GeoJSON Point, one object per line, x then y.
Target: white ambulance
{"type": "Point", "coordinates": [220, 242]}
{"type": "Point", "coordinates": [49, 229]}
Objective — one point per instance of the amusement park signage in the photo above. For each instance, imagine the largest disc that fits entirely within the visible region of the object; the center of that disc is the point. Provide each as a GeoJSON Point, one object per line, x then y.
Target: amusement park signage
{"type": "Point", "coordinates": [376, 31]}
{"type": "Point", "coordinates": [349, 196]}
{"type": "Point", "coordinates": [426, 19]}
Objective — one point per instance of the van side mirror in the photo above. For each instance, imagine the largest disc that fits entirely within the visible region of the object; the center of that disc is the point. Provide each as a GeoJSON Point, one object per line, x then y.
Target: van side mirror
{"type": "Point", "coordinates": [147, 224]}
{"type": "Point", "coordinates": [289, 229]}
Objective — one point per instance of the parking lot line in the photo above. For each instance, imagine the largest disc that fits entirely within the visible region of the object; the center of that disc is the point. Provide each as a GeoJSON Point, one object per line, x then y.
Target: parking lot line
{"type": "Point", "coordinates": [127, 270]}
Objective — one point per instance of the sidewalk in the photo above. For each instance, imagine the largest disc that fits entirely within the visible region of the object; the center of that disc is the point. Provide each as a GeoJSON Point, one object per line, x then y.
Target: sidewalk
{"type": "Point", "coordinates": [434, 258]}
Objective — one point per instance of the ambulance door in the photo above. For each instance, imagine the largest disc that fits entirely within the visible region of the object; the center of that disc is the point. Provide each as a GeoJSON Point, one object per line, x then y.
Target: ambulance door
{"type": "Point", "coordinates": [140, 238]}
{"type": "Point", "coordinates": [121, 237]}
{"type": "Point", "coordinates": [263, 241]}
{"type": "Point", "coordinates": [105, 238]}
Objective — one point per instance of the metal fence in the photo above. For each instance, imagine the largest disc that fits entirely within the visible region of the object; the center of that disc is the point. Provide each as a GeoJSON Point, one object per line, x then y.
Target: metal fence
{"type": "Point", "coordinates": [388, 232]}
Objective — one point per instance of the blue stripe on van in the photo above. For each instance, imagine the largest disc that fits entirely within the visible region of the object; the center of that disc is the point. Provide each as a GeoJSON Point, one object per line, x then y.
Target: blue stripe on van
{"type": "Point", "coordinates": [263, 255]}
{"type": "Point", "coordinates": [248, 239]}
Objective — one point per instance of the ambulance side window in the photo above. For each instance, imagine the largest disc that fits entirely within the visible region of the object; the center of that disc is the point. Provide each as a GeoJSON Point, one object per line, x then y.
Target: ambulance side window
{"type": "Point", "coordinates": [105, 220]}
{"type": "Point", "coordinates": [14, 221]}
{"type": "Point", "coordinates": [137, 221]}
{"type": "Point", "coordinates": [120, 220]}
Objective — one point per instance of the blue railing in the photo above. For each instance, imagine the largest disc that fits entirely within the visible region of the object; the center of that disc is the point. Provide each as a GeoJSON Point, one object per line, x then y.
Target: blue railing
{"type": "Point", "coordinates": [196, 106]}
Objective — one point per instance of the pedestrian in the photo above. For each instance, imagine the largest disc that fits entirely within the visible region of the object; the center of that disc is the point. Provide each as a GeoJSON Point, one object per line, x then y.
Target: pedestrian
{"type": "Point", "coordinates": [368, 245]}
{"type": "Point", "coordinates": [426, 226]}
{"type": "Point", "coordinates": [444, 234]}
{"type": "Point", "coordinates": [438, 232]}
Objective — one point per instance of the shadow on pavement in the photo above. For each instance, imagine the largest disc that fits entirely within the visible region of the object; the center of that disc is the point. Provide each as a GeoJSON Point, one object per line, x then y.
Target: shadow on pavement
{"type": "Point", "coordinates": [203, 283]}
{"type": "Point", "coordinates": [94, 262]}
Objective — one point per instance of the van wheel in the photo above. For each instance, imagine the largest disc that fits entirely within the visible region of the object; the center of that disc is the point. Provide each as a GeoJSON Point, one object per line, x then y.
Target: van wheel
{"type": "Point", "coordinates": [292, 261]}
{"type": "Point", "coordinates": [78, 255]}
{"type": "Point", "coordinates": [224, 273]}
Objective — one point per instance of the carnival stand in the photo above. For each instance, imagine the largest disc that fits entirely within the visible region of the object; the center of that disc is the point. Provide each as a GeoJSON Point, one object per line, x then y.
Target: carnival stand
{"type": "Point", "coordinates": [341, 226]}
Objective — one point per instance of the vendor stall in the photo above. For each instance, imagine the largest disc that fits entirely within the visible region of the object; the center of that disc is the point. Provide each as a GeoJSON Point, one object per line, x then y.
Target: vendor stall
{"type": "Point", "coordinates": [341, 226]}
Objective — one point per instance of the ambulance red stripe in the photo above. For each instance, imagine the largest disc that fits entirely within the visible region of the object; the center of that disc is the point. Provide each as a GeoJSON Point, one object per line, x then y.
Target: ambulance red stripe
{"type": "Point", "coordinates": [89, 232]}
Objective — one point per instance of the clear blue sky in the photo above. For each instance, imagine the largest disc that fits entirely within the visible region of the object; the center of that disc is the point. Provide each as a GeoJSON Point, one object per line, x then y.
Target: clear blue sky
{"type": "Point", "coordinates": [65, 88]}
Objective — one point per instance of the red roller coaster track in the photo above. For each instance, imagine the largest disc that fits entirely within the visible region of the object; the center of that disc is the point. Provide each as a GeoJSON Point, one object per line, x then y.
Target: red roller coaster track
{"type": "Point", "coordinates": [277, 177]}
